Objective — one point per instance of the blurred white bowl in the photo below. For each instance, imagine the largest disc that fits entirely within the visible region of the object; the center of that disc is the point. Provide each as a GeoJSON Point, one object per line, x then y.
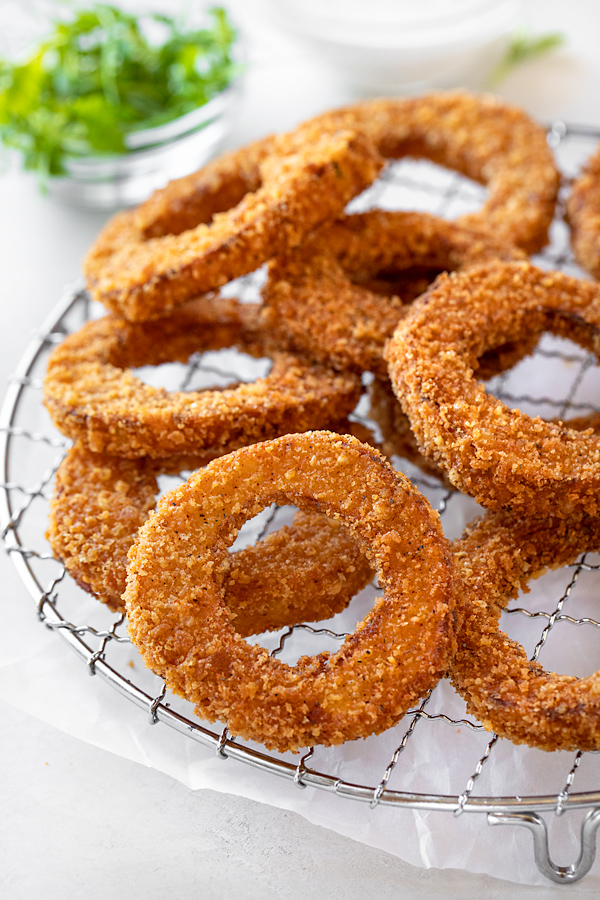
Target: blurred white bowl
{"type": "Point", "coordinates": [397, 46]}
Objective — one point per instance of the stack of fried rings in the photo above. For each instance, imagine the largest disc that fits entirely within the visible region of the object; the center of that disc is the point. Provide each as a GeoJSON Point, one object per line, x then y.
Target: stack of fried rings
{"type": "Point", "coordinates": [322, 299]}
{"type": "Point", "coordinates": [310, 306]}
{"type": "Point", "coordinates": [236, 213]}
{"type": "Point", "coordinates": [303, 572]}
{"type": "Point", "coordinates": [182, 241]}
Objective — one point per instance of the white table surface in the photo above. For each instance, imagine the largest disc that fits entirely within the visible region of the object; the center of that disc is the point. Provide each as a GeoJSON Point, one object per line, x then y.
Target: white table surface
{"type": "Point", "coordinates": [77, 821]}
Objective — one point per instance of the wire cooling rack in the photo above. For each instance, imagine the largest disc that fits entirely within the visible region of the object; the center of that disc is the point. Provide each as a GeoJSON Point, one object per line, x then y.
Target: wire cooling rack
{"type": "Point", "coordinates": [32, 450]}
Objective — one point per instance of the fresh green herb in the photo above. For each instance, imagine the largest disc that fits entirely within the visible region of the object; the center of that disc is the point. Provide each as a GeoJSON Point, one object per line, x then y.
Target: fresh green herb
{"type": "Point", "coordinates": [105, 74]}
{"type": "Point", "coordinates": [522, 48]}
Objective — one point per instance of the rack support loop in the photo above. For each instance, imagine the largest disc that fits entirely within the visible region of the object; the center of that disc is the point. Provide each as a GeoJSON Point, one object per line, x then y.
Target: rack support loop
{"type": "Point", "coordinates": [301, 768]}
{"type": "Point", "coordinates": [537, 827]}
{"type": "Point", "coordinates": [152, 709]}
{"type": "Point", "coordinates": [222, 741]}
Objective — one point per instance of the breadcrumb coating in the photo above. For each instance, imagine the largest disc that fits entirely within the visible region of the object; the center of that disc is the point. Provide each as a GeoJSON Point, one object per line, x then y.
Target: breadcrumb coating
{"type": "Point", "coordinates": [398, 437]}
{"type": "Point", "coordinates": [318, 298]}
{"type": "Point", "coordinates": [583, 215]}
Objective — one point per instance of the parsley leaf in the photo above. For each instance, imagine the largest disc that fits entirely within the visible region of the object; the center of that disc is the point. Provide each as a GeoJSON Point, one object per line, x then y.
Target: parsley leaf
{"type": "Point", "coordinates": [524, 47]}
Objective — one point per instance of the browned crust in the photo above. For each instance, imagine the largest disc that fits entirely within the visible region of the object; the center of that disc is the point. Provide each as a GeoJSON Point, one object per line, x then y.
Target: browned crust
{"type": "Point", "coordinates": [92, 395]}
{"type": "Point", "coordinates": [507, 692]}
{"type": "Point", "coordinates": [483, 138]}
{"type": "Point", "coordinates": [502, 457]}
{"type": "Point", "coordinates": [178, 620]}
{"type": "Point", "coordinates": [146, 262]}
{"type": "Point", "coordinates": [583, 215]}
{"type": "Point", "coordinates": [303, 572]}
{"type": "Point", "coordinates": [317, 297]}
{"type": "Point", "coordinates": [398, 436]}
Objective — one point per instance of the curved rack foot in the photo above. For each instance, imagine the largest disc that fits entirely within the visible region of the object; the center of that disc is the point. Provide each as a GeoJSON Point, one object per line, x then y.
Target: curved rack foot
{"type": "Point", "coordinates": [539, 831]}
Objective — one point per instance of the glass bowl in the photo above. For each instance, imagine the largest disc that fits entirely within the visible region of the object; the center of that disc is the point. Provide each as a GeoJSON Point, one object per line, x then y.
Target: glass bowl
{"type": "Point", "coordinates": [156, 156]}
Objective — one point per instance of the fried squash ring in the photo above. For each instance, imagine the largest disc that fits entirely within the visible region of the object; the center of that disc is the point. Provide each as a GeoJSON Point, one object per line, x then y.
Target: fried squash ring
{"type": "Point", "coordinates": [500, 456]}
{"type": "Point", "coordinates": [483, 138]}
{"type": "Point", "coordinates": [583, 215]}
{"type": "Point", "coordinates": [319, 297]}
{"type": "Point", "coordinates": [509, 693]}
{"type": "Point", "coordinates": [399, 438]}
{"type": "Point", "coordinates": [303, 572]}
{"type": "Point", "coordinates": [226, 220]}
{"type": "Point", "coordinates": [92, 395]}
{"type": "Point", "coordinates": [177, 617]}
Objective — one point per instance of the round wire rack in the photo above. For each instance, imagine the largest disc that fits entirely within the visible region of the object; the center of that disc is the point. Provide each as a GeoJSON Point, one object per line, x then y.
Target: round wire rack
{"type": "Point", "coordinates": [31, 453]}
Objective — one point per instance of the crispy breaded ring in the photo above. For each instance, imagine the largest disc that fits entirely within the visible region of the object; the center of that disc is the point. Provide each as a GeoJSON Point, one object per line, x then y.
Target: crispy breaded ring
{"type": "Point", "coordinates": [510, 694]}
{"type": "Point", "coordinates": [500, 456]}
{"type": "Point", "coordinates": [583, 215]}
{"type": "Point", "coordinates": [480, 136]}
{"type": "Point", "coordinates": [318, 298]}
{"type": "Point", "coordinates": [92, 395]}
{"type": "Point", "coordinates": [399, 438]}
{"type": "Point", "coordinates": [178, 620]}
{"type": "Point", "coordinates": [303, 572]}
{"type": "Point", "coordinates": [243, 209]}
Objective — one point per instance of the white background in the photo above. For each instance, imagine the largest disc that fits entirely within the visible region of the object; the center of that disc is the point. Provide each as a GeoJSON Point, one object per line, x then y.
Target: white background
{"type": "Point", "coordinates": [77, 821]}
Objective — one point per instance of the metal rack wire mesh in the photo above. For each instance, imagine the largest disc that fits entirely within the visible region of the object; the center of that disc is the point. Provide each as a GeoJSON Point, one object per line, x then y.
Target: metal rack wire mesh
{"type": "Point", "coordinates": [32, 450]}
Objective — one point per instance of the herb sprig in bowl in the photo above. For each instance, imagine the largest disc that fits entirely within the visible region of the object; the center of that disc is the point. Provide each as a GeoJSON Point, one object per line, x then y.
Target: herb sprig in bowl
{"type": "Point", "coordinates": [104, 75]}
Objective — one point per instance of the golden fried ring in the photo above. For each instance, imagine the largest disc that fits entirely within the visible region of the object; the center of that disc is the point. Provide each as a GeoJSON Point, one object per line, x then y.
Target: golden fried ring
{"type": "Point", "coordinates": [500, 456]}
{"type": "Point", "coordinates": [583, 215]}
{"type": "Point", "coordinates": [509, 693]}
{"type": "Point", "coordinates": [92, 395]}
{"type": "Point", "coordinates": [177, 618]}
{"type": "Point", "coordinates": [483, 138]}
{"type": "Point", "coordinates": [241, 210]}
{"type": "Point", "coordinates": [303, 572]}
{"type": "Point", "coordinates": [318, 298]}
{"type": "Point", "coordinates": [399, 438]}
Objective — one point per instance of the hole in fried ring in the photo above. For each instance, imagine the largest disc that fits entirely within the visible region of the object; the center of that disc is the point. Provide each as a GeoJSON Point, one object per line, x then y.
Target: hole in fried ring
{"type": "Point", "coordinates": [174, 595]}
{"type": "Point", "coordinates": [317, 298]}
{"type": "Point", "coordinates": [303, 572]}
{"type": "Point", "coordinates": [500, 456]}
{"type": "Point", "coordinates": [509, 693]}
{"type": "Point", "coordinates": [226, 220]}
{"type": "Point", "coordinates": [92, 396]}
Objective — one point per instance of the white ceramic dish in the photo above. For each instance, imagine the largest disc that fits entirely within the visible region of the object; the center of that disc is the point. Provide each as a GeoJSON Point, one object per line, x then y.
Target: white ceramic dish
{"type": "Point", "coordinates": [393, 46]}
